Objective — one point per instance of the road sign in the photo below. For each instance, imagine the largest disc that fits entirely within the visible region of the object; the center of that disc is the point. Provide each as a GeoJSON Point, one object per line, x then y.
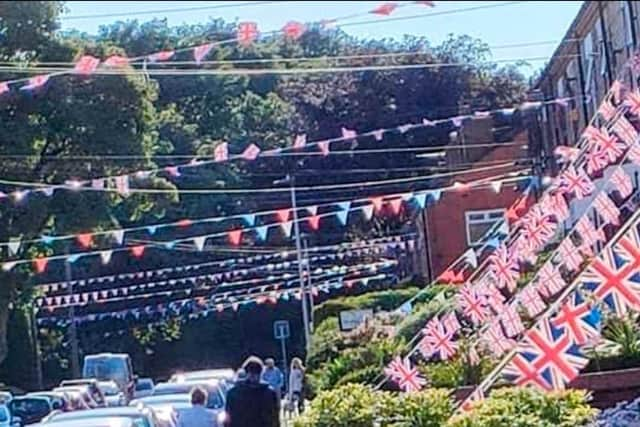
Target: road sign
{"type": "Point", "coordinates": [281, 329]}
{"type": "Point", "coordinates": [351, 319]}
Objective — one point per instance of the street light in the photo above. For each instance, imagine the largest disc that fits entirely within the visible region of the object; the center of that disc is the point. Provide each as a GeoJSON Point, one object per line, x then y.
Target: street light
{"type": "Point", "coordinates": [303, 289]}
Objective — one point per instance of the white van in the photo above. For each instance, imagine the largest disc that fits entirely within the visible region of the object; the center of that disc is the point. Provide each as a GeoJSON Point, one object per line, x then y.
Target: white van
{"type": "Point", "coordinates": [114, 367]}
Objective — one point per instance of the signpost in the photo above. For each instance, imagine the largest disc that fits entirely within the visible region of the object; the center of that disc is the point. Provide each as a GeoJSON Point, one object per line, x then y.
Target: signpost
{"type": "Point", "coordinates": [351, 319]}
{"type": "Point", "coordinates": [281, 332]}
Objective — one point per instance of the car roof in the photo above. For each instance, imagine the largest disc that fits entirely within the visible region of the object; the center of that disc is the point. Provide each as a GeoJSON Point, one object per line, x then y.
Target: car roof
{"type": "Point", "coordinates": [120, 411]}
{"type": "Point", "coordinates": [105, 355]}
{"type": "Point", "coordinates": [27, 396]}
{"type": "Point", "coordinates": [162, 399]}
{"type": "Point", "coordinates": [215, 373]}
{"type": "Point", "coordinates": [97, 422]}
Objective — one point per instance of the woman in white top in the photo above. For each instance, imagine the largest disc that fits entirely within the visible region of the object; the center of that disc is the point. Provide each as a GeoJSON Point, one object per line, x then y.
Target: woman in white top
{"type": "Point", "coordinates": [296, 382]}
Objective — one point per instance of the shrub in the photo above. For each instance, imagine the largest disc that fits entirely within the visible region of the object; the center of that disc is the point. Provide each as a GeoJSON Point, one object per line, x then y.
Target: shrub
{"type": "Point", "coordinates": [525, 407]}
{"type": "Point", "coordinates": [356, 405]}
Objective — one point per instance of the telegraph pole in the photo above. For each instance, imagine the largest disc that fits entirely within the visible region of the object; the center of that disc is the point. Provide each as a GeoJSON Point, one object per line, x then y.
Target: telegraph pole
{"type": "Point", "coordinates": [73, 332]}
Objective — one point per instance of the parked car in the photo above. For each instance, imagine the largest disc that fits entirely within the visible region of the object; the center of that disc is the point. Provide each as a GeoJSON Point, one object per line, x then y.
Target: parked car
{"type": "Point", "coordinates": [112, 394]}
{"type": "Point", "coordinates": [91, 384]}
{"type": "Point", "coordinates": [144, 388]}
{"type": "Point", "coordinates": [204, 375]}
{"type": "Point", "coordinates": [75, 399]}
{"type": "Point", "coordinates": [167, 407]}
{"type": "Point", "coordinates": [216, 397]}
{"type": "Point", "coordinates": [5, 417]}
{"type": "Point", "coordinates": [5, 397]}
{"type": "Point", "coordinates": [59, 401]}
{"type": "Point", "coordinates": [83, 392]}
{"type": "Point", "coordinates": [141, 416]}
{"type": "Point", "coordinates": [94, 422]}
{"type": "Point", "coordinates": [110, 366]}
{"type": "Point", "coordinates": [27, 410]}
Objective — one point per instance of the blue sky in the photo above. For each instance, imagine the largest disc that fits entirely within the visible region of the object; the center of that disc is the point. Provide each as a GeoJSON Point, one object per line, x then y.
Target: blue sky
{"type": "Point", "coordinates": [524, 22]}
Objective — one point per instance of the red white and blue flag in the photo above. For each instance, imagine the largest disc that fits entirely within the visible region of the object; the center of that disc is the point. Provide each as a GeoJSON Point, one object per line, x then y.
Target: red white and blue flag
{"type": "Point", "coordinates": [625, 131]}
{"type": "Point", "coordinates": [496, 341]}
{"type": "Point", "coordinates": [406, 376]}
{"type": "Point", "coordinates": [609, 145]}
{"type": "Point", "coordinates": [439, 340]}
{"type": "Point", "coordinates": [568, 254]}
{"type": "Point", "coordinates": [607, 210]}
{"type": "Point", "coordinates": [621, 182]}
{"type": "Point", "coordinates": [577, 183]}
{"type": "Point", "coordinates": [579, 318]}
{"type": "Point", "coordinates": [633, 102]}
{"type": "Point", "coordinates": [589, 234]}
{"type": "Point", "coordinates": [511, 321]}
{"type": "Point", "coordinates": [472, 304]}
{"type": "Point", "coordinates": [504, 266]}
{"type": "Point", "coordinates": [548, 358]}
{"type": "Point", "coordinates": [531, 300]}
{"type": "Point", "coordinates": [613, 276]}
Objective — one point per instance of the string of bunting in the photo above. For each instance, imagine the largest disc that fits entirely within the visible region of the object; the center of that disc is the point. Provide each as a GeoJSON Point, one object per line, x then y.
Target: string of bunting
{"type": "Point", "coordinates": [475, 300]}
{"type": "Point", "coordinates": [122, 183]}
{"type": "Point", "coordinates": [235, 236]}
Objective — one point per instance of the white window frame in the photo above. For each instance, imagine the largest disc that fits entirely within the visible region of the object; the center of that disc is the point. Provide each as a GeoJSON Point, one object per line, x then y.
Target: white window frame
{"type": "Point", "coordinates": [486, 213]}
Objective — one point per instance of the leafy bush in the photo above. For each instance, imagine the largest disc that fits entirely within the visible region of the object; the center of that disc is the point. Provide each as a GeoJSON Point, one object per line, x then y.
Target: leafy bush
{"type": "Point", "coordinates": [355, 405]}
{"type": "Point", "coordinates": [525, 407]}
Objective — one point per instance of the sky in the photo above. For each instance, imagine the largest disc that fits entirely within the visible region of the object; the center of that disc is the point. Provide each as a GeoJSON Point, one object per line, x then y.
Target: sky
{"type": "Point", "coordinates": [510, 23]}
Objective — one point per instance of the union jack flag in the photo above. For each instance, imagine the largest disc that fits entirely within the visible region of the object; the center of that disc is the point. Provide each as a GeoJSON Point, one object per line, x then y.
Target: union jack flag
{"type": "Point", "coordinates": [579, 318]}
{"type": "Point", "coordinates": [521, 372]}
{"type": "Point", "coordinates": [531, 300]}
{"type": "Point", "coordinates": [622, 183]}
{"type": "Point", "coordinates": [511, 321]}
{"type": "Point", "coordinates": [613, 278]}
{"type": "Point", "coordinates": [472, 304]}
{"type": "Point", "coordinates": [451, 323]}
{"type": "Point", "coordinates": [549, 357]}
{"type": "Point", "coordinates": [538, 227]}
{"type": "Point", "coordinates": [569, 255]}
{"type": "Point", "coordinates": [596, 160]}
{"type": "Point", "coordinates": [439, 340]}
{"type": "Point", "coordinates": [607, 210]}
{"type": "Point", "coordinates": [557, 205]}
{"type": "Point", "coordinates": [493, 297]}
{"type": "Point", "coordinates": [86, 65]}
{"type": "Point", "coordinates": [566, 154]}
{"type": "Point", "coordinates": [607, 110]}
{"type": "Point", "coordinates": [496, 341]}
{"type": "Point", "coordinates": [550, 280]}
{"type": "Point", "coordinates": [525, 251]}
{"type": "Point", "coordinates": [633, 102]}
{"type": "Point", "coordinates": [247, 33]}
{"type": "Point", "coordinates": [406, 376]}
{"type": "Point", "coordinates": [577, 183]}
{"type": "Point", "coordinates": [505, 268]}
{"type": "Point", "coordinates": [625, 131]}
{"type": "Point", "coordinates": [588, 233]}
{"type": "Point", "coordinates": [610, 146]}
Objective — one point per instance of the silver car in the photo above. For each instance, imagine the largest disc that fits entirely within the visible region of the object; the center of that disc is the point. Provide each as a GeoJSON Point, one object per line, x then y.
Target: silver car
{"type": "Point", "coordinates": [139, 416]}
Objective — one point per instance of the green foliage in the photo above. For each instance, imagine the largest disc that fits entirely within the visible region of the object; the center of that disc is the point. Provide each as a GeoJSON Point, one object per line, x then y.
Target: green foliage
{"type": "Point", "coordinates": [626, 333]}
{"type": "Point", "coordinates": [356, 405]}
{"type": "Point", "coordinates": [456, 372]}
{"type": "Point", "coordinates": [525, 407]}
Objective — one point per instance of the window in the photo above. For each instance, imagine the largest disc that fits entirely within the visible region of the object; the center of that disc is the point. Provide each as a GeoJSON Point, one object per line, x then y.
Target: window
{"type": "Point", "coordinates": [625, 10]}
{"type": "Point", "coordinates": [478, 223]}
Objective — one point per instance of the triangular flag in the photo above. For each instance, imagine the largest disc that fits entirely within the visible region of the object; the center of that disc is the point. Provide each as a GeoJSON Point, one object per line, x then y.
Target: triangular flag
{"type": "Point", "coordinates": [7, 266]}
{"type": "Point", "coordinates": [324, 147]}
{"type": "Point", "coordinates": [199, 52]}
{"type": "Point", "coordinates": [199, 242]}
{"type": "Point", "coordinates": [262, 232]}
{"type": "Point", "coordinates": [116, 61]}
{"type": "Point", "coordinates": [172, 170]}
{"type": "Point", "coordinates": [313, 210]}
{"type": "Point", "coordinates": [14, 246]}
{"type": "Point", "coordinates": [73, 258]}
{"type": "Point", "coordinates": [396, 205]}
{"type": "Point", "coordinates": [251, 152]}
{"type": "Point", "coordinates": [105, 256]}
{"type": "Point", "coordinates": [286, 227]}
{"type": "Point", "coordinates": [221, 152]}
{"type": "Point", "coordinates": [377, 134]}
{"type": "Point", "coordinates": [496, 186]}
{"type": "Point", "coordinates": [314, 222]}
{"type": "Point", "coordinates": [293, 30]}
{"type": "Point", "coordinates": [47, 240]}
{"type": "Point", "coordinates": [184, 223]}
{"type": "Point", "coordinates": [367, 210]}
{"type": "Point", "coordinates": [152, 229]}
{"type": "Point", "coordinates": [421, 200]}
{"type": "Point", "coordinates": [435, 194]}
{"type": "Point", "coordinates": [342, 216]}
{"type": "Point", "coordinates": [36, 82]}
{"type": "Point", "coordinates": [40, 264]}
{"type": "Point", "coordinates": [118, 235]}
{"type": "Point", "coordinates": [85, 239]}
{"type": "Point", "coordinates": [249, 219]}
{"type": "Point", "coordinates": [170, 244]}
{"type": "Point", "coordinates": [376, 202]}
{"type": "Point", "coordinates": [471, 258]}
{"type": "Point", "coordinates": [137, 251]}
{"type": "Point", "coordinates": [48, 191]}
{"type": "Point", "coordinates": [161, 56]}
{"type": "Point", "coordinates": [235, 237]}
{"type": "Point", "coordinates": [344, 206]}
{"type": "Point", "coordinates": [283, 214]}
{"type": "Point", "coordinates": [384, 9]}
{"type": "Point", "coordinates": [86, 65]}
{"type": "Point", "coordinates": [300, 141]}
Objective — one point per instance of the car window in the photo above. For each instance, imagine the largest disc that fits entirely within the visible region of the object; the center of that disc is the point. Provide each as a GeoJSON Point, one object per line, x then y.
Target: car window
{"type": "Point", "coordinates": [215, 400]}
{"type": "Point", "coordinates": [107, 369]}
{"type": "Point", "coordinates": [143, 385]}
{"type": "Point", "coordinates": [29, 407]}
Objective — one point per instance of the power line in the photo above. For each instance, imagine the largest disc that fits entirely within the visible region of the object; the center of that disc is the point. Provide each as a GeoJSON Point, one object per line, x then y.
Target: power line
{"type": "Point", "coordinates": [174, 10]}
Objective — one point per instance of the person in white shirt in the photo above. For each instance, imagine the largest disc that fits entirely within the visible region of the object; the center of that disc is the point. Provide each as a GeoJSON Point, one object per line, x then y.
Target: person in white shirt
{"type": "Point", "coordinates": [296, 383]}
{"type": "Point", "coordinates": [197, 415]}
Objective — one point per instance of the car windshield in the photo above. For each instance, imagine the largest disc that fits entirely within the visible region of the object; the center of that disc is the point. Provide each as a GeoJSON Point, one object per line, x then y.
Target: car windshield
{"type": "Point", "coordinates": [106, 369]}
{"type": "Point", "coordinates": [29, 407]}
{"type": "Point", "coordinates": [109, 389]}
{"type": "Point", "coordinates": [143, 385]}
{"type": "Point", "coordinates": [213, 402]}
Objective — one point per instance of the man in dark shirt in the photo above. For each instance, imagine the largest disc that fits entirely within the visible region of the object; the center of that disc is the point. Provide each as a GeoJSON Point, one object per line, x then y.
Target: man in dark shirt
{"type": "Point", "coordinates": [252, 403]}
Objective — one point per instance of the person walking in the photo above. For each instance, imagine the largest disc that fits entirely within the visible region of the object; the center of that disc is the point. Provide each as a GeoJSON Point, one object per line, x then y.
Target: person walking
{"type": "Point", "coordinates": [197, 415]}
{"type": "Point", "coordinates": [272, 375]}
{"type": "Point", "coordinates": [296, 383]}
{"type": "Point", "coordinates": [252, 403]}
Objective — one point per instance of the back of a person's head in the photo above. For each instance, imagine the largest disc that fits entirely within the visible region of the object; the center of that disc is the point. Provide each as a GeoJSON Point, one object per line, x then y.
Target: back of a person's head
{"type": "Point", "coordinates": [253, 366]}
{"type": "Point", "coordinates": [198, 396]}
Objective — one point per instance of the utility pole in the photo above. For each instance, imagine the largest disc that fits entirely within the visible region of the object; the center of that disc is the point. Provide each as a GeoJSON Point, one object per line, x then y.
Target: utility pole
{"type": "Point", "coordinates": [307, 264]}
{"type": "Point", "coordinates": [303, 288]}
{"type": "Point", "coordinates": [73, 333]}
{"type": "Point", "coordinates": [36, 347]}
